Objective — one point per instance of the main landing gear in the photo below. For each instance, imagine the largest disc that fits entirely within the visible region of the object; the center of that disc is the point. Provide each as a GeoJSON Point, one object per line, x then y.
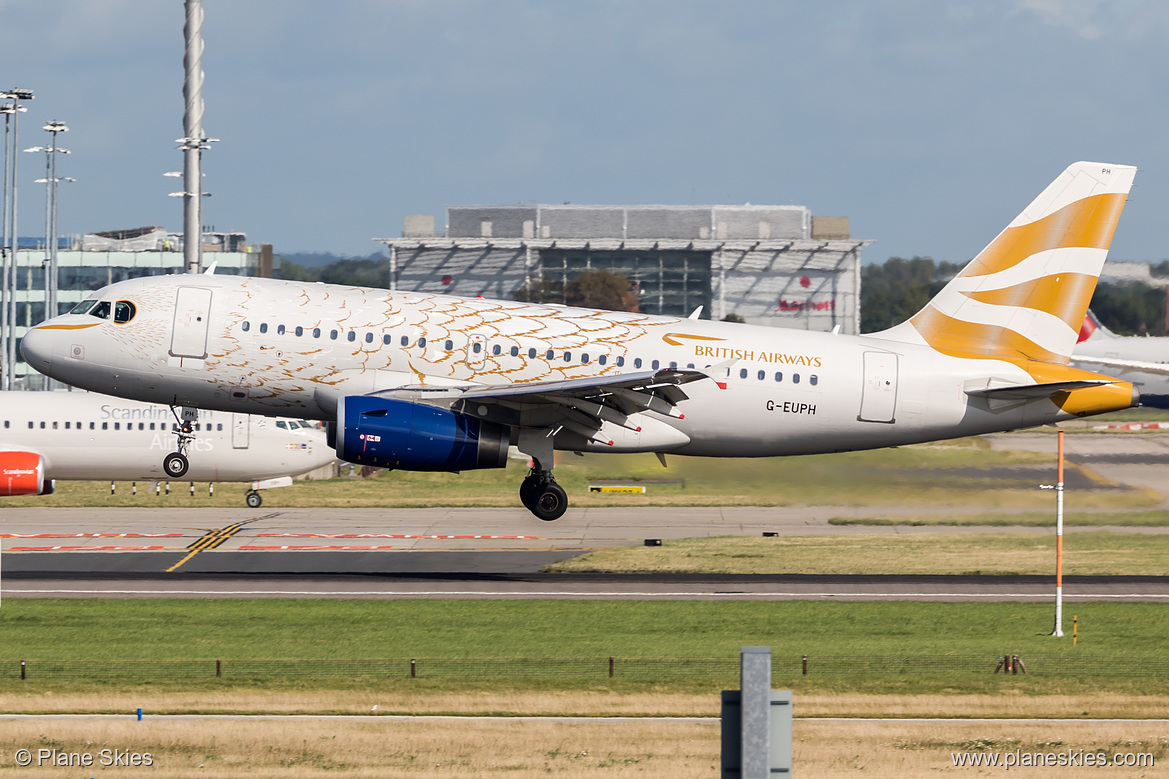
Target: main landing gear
{"type": "Point", "coordinates": [542, 496]}
{"type": "Point", "coordinates": [175, 464]}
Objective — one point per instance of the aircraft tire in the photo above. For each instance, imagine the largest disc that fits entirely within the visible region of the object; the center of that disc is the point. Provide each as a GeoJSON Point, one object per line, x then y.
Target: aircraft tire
{"type": "Point", "coordinates": [175, 464]}
{"type": "Point", "coordinates": [254, 499]}
{"type": "Point", "coordinates": [529, 489]}
{"type": "Point", "coordinates": [551, 503]}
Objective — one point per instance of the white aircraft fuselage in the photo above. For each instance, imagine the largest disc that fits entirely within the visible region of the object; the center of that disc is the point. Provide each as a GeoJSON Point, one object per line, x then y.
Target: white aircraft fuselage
{"type": "Point", "coordinates": [84, 436]}
{"type": "Point", "coordinates": [431, 382]}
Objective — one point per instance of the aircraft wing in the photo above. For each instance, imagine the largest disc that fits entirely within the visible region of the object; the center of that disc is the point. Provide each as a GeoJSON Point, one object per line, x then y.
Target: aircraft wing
{"type": "Point", "coordinates": [1161, 369]}
{"type": "Point", "coordinates": [587, 406]}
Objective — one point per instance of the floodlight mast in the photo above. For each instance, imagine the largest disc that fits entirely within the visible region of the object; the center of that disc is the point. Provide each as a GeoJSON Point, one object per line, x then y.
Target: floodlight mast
{"type": "Point", "coordinates": [12, 243]}
{"type": "Point", "coordinates": [194, 141]}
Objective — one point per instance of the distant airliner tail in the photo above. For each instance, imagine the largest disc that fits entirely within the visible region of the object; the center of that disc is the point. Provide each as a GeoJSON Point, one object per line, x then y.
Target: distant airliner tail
{"type": "Point", "coordinates": [1025, 295]}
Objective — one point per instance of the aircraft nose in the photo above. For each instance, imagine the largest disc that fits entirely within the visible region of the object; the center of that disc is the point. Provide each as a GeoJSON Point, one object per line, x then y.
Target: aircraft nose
{"type": "Point", "coordinates": [37, 349]}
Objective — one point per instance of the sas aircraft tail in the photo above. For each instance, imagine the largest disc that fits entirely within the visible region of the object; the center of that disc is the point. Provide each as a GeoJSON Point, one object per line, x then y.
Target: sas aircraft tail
{"type": "Point", "coordinates": [1023, 298]}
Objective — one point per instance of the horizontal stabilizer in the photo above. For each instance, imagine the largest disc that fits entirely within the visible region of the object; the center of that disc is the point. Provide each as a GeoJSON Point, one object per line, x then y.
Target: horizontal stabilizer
{"type": "Point", "coordinates": [1024, 391]}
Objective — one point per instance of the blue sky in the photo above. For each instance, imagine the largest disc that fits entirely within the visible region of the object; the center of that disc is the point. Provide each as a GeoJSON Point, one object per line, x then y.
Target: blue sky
{"type": "Point", "coordinates": [930, 124]}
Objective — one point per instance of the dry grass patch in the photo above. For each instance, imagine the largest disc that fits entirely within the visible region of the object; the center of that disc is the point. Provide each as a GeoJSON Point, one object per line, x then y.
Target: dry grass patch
{"type": "Point", "coordinates": [661, 703]}
{"type": "Point", "coordinates": [917, 749]}
{"type": "Point", "coordinates": [244, 749]}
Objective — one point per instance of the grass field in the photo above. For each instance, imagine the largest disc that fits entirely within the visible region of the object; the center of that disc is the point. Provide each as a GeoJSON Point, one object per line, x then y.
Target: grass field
{"type": "Point", "coordinates": [961, 472]}
{"type": "Point", "coordinates": [335, 631]}
{"type": "Point", "coordinates": [1015, 518]}
{"type": "Point", "coordinates": [1085, 553]}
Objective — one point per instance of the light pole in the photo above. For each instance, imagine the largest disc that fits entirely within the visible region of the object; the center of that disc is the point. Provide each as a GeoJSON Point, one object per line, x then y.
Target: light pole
{"type": "Point", "coordinates": [13, 241]}
{"type": "Point", "coordinates": [50, 181]}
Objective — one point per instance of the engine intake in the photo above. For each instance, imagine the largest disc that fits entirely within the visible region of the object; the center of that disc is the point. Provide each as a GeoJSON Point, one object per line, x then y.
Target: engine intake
{"type": "Point", "coordinates": [410, 436]}
{"type": "Point", "coordinates": [23, 473]}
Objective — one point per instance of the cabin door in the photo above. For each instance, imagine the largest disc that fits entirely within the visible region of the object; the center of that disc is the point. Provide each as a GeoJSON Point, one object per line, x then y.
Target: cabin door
{"type": "Point", "coordinates": [192, 318]}
{"type": "Point", "coordinates": [879, 395]}
{"type": "Point", "coordinates": [240, 430]}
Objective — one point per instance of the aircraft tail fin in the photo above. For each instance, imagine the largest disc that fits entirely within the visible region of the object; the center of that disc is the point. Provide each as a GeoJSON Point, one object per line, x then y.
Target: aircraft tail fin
{"type": "Point", "coordinates": [1025, 295]}
{"type": "Point", "coordinates": [1092, 329]}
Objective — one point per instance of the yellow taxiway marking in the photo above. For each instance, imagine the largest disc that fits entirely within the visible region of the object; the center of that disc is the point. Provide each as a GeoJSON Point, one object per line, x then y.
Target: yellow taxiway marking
{"type": "Point", "coordinates": [216, 537]}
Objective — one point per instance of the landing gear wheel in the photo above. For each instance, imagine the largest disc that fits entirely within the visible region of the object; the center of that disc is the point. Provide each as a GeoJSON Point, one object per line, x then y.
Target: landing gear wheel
{"type": "Point", "coordinates": [529, 489]}
{"type": "Point", "coordinates": [253, 498]}
{"type": "Point", "coordinates": [550, 503]}
{"type": "Point", "coordinates": [175, 464]}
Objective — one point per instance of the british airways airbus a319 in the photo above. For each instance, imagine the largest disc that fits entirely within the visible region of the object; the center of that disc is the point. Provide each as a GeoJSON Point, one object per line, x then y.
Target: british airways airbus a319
{"type": "Point", "coordinates": [435, 383]}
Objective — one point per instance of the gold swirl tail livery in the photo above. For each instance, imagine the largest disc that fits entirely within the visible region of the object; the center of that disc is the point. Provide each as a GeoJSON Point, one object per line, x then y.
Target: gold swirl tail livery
{"type": "Point", "coordinates": [436, 383]}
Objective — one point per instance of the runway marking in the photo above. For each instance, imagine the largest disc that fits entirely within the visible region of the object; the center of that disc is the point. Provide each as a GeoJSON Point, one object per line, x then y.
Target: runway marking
{"type": "Point", "coordinates": [382, 535]}
{"type": "Point", "coordinates": [82, 548]}
{"type": "Point", "coordinates": [214, 538]}
{"type": "Point", "coordinates": [294, 548]}
{"type": "Point", "coordinates": [91, 535]}
{"type": "Point", "coordinates": [13, 589]}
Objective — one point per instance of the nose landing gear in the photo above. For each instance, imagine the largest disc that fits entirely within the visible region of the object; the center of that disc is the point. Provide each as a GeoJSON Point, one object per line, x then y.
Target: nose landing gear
{"type": "Point", "coordinates": [175, 464]}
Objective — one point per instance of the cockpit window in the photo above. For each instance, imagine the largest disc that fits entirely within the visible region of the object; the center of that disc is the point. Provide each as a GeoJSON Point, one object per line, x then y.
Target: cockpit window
{"type": "Point", "coordinates": [281, 424]}
{"type": "Point", "coordinates": [101, 310]}
{"type": "Point", "coordinates": [124, 311]}
{"type": "Point", "coordinates": [82, 307]}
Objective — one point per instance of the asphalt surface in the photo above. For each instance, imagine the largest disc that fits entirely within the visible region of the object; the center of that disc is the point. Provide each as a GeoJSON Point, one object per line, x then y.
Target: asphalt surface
{"type": "Point", "coordinates": [485, 553]}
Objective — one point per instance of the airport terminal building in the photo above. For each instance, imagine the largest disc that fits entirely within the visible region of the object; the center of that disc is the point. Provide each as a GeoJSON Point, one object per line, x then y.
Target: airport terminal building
{"type": "Point", "coordinates": [770, 265]}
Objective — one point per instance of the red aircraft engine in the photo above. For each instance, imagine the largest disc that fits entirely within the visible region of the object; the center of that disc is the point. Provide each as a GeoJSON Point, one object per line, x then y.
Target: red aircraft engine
{"type": "Point", "coordinates": [23, 473]}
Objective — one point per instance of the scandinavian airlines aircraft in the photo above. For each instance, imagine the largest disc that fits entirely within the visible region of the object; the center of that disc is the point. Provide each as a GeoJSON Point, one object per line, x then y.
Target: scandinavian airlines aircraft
{"type": "Point", "coordinates": [1142, 361]}
{"type": "Point", "coordinates": [81, 436]}
{"type": "Point", "coordinates": [428, 382]}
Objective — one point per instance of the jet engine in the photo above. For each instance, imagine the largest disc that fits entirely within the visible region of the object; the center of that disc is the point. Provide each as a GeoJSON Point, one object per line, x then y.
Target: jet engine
{"type": "Point", "coordinates": [23, 473]}
{"type": "Point", "coordinates": [389, 433]}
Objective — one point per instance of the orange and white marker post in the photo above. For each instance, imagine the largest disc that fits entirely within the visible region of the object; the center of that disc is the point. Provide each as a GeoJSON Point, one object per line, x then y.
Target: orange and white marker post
{"type": "Point", "coordinates": [1059, 543]}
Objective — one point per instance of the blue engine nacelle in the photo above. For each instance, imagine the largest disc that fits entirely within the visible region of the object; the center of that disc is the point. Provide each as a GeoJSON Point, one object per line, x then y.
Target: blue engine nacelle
{"type": "Point", "coordinates": [410, 436]}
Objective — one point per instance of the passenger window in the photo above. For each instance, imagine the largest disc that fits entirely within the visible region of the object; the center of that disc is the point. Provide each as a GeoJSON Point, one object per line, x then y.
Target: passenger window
{"type": "Point", "coordinates": [42, 425]}
{"type": "Point", "coordinates": [66, 425]}
{"type": "Point", "coordinates": [655, 364]}
{"type": "Point", "coordinates": [386, 340]}
{"type": "Point", "coordinates": [449, 345]}
{"type": "Point", "coordinates": [743, 373]}
{"type": "Point", "coordinates": [54, 425]}
{"type": "Point", "coordinates": [299, 331]}
{"type": "Point", "coordinates": [369, 338]}
{"type": "Point", "coordinates": [316, 332]}
{"type": "Point", "coordinates": [219, 427]}
{"type": "Point", "coordinates": [476, 347]}
{"type": "Point", "coordinates": [673, 366]}
{"type": "Point", "coordinates": [263, 327]}
{"type": "Point", "coordinates": [246, 326]}
{"type": "Point", "coordinates": [584, 358]}
{"type": "Point", "coordinates": [151, 425]}
{"type": "Point", "coordinates": [551, 355]}
{"type": "Point", "coordinates": [280, 330]}
{"type": "Point", "coordinates": [621, 362]}
{"type": "Point", "coordinates": [405, 340]}
{"type": "Point", "coordinates": [762, 375]}
{"type": "Point", "coordinates": [92, 425]}
{"type": "Point", "coordinates": [141, 425]}
{"type": "Point", "coordinates": [105, 425]}
{"type": "Point", "coordinates": [602, 359]}
{"type": "Point", "coordinates": [637, 362]}
{"type": "Point", "coordinates": [795, 378]}
{"type": "Point", "coordinates": [531, 354]}
{"type": "Point", "coordinates": [813, 380]}
{"type": "Point", "coordinates": [101, 310]}
{"type": "Point", "coordinates": [421, 343]}
{"type": "Point", "coordinates": [117, 425]}
{"type": "Point", "coordinates": [778, 376]}
{"type": "Point", "coordinates": [30, 425]}
{"type": "Point", "coordinates": [568, 357]}
{"type": "Point", "coordinates": [332, 335]}
{"type": "Point", "coordinates": [351, 335]}
{"type": "Point", "coordinates": [496, 349]}
{"type": "Point", "coordinates": [515, 351]}
{"type": "Point", "coordinates": [124, 311]}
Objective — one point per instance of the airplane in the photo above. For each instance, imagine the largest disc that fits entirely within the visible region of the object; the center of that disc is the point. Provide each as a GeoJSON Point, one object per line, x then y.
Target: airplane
{"type": "Point", "coordinates": [1141, 361]}
{"type": "Point", "coordinates": [46, 436]}
{"type": "Point", "coordinates": [438, 383]}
